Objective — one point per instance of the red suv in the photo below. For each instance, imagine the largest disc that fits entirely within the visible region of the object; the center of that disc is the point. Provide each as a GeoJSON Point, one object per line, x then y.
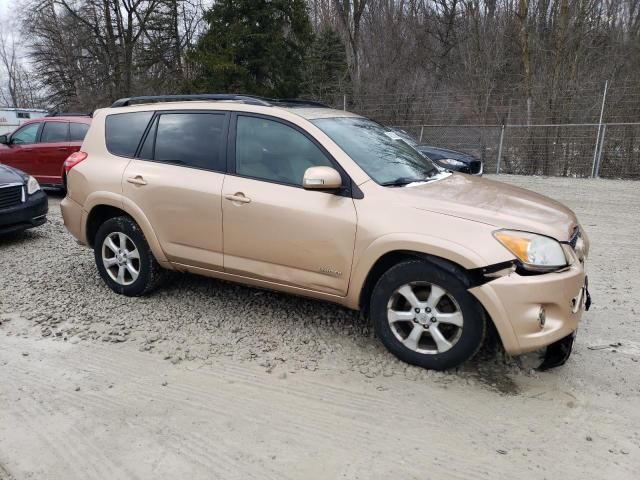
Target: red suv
{"type": "Point", "coordinates": [40, 147]}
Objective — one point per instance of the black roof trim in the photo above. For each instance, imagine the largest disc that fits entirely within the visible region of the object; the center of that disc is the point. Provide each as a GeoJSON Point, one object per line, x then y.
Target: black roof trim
{"type": "Point", "coordinates": [69, 114]}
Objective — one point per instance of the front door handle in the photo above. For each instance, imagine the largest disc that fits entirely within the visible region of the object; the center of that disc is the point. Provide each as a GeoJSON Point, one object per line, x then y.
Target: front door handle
{"type": "Point", "coordinates": [137, 180]}
{"type": "Point", "coordinates": [238, 197]}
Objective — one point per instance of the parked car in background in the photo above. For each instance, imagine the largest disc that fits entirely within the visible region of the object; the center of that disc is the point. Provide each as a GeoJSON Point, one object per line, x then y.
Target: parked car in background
{"type": "Point", "coordinates": [453, 160]}
{"type": "Point", "coordinates": [39, 147]}
{"type": "Point", "coordinates": [23, 204]}
{"type": "Point", "coordinates": [297, 197]}
{"type": "Point", "coordinates": [444, 157]}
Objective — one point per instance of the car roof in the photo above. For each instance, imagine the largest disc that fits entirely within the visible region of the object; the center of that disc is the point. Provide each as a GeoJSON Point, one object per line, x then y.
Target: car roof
{"type": "Point", "coordinates": [307, 109]}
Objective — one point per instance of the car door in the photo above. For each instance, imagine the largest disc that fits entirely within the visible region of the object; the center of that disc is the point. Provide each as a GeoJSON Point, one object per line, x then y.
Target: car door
{"type": "Point", "coordinates": [176, 179]}
{"type": "Point", "coordinates": [51, 151]}
{"type": "Point", "coordinates": [20, 152]}
{"type": "Point", "coordinates": [274, 229]}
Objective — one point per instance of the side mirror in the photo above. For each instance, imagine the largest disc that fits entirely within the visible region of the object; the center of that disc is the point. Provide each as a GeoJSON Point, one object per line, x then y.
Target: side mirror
{"type": "Point", "coordinates": [321, 178]}
{"type": "Point", "coordinates": [4, 139]}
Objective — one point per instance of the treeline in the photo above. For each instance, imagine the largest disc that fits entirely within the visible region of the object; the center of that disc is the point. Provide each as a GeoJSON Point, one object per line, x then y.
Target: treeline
{"type": "Point", "coordinates": [405, 60]}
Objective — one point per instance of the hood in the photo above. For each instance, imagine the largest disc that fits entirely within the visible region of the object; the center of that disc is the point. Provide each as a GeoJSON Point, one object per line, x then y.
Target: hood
{"type": "Point", "coordinates": [10, 175]}
{"type": "Point", "coordinates": [493, 203]}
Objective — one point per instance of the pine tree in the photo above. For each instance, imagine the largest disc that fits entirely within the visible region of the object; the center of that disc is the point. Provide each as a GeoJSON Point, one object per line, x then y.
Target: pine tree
{"type": "Point", "coordinates": [327, 74]}
{"type": "Point", "coordinates": [254, 46]}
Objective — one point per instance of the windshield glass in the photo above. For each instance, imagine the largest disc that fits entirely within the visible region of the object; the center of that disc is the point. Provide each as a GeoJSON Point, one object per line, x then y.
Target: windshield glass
{"type": "Point", "coordinates": [379, 151]}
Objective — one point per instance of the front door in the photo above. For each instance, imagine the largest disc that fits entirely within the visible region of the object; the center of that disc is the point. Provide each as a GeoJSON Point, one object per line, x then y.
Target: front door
{"type": "Point", "coordinates": [22, 149]}
{"type": "Point", "coordinates": [177, 182]}
{"type": "Point", "coordinates": [275, 230]}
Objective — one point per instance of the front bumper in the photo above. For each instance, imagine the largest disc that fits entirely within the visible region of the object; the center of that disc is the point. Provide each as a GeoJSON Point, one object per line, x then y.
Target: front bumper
{"type": "Point", "coordinates": [515, 302]}
{"type": "Point", "coordinates": [31, 213]}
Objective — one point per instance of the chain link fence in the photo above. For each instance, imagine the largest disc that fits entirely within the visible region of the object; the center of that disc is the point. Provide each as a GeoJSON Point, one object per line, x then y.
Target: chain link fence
{"type": "Point", "coordinates": [610, 150]}
{"type": "Point", "coordinates": [590, 131]}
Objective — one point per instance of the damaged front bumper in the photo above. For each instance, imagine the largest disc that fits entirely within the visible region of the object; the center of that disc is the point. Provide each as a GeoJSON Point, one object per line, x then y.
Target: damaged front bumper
{"type": "Point", "coordinates": [559, 352]}
{"type": "Point", "coordinates": [532, 312]}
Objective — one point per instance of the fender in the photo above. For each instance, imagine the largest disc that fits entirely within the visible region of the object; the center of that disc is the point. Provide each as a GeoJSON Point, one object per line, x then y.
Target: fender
{"type": "Point", "coordinates": [454, 252]}
{"type": "Point", "coordinates": [119, 201]}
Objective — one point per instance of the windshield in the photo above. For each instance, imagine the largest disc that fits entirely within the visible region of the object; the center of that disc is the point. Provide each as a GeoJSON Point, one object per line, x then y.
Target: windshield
{"type": "Point", "coordinates": [379, 151]}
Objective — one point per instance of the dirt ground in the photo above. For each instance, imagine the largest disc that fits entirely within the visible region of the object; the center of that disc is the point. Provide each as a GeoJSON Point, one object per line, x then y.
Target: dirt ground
{"type": "Point", "coordinates": [205, 379]}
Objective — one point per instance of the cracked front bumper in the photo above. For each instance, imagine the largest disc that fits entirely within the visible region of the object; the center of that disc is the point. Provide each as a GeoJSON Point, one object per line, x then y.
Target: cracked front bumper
{"type": "Point", "coordinates": [514, 303]}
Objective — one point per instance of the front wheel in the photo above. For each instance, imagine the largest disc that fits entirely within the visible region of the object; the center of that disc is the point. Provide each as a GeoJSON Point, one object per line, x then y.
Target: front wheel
{"type": "Point", "coordinates": [425, 316]}
{"type": "Point", "coordinates": [124, 259]}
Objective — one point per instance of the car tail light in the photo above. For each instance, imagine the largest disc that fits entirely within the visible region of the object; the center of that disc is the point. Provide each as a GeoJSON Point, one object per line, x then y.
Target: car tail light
{"type": "Point", "coordinates": [74, 159]}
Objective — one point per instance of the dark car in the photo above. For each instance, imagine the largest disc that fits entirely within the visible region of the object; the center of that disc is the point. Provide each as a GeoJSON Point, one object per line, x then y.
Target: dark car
{"type": "Point", "coordinates": [23, 204]}
{"type": "Point", "coordinates": [40, 146]}
{"type": "Point", "coordinates": [443, 157]}
{"type": "Point", "coordinates": [452, 160]}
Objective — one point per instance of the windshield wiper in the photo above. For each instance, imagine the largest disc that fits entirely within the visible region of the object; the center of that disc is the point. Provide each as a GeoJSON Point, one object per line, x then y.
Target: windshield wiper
{"type": "Point", "coordinates": [402, 181]}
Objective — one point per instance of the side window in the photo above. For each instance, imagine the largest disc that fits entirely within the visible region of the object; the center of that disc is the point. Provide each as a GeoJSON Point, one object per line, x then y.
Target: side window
{"type": "Point", "coordinates": [270, 150]}
{"type": "Point", "coordinates": [123, 132]}
{"type": "Point", "coordinates": [26, 135]}
{"type": "Point", "coordinates": [23, 115]}
{"type": "Point", "coordinates": [54, 132]}
{"type": "Point", "coordinates": [189, 139]}
{"type": "Point", "coordinates": [77, 131]}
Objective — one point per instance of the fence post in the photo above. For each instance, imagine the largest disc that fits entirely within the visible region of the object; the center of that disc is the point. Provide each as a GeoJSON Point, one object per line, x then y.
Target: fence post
{"type": "Point", "coordinates": [421, 132]}
{"type": "Point", "coordinates": [500, 150]}
{"type": "Point", "coordinates": [602, 137]}
{"type": "Point", "coordinates": [595, 150]}
{"type": "Point", "coordinates": [344, 102]}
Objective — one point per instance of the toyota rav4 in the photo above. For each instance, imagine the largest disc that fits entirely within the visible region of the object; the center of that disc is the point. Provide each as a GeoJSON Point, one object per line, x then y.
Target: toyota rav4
{"type": "Point", "coordinates": [297, 197]}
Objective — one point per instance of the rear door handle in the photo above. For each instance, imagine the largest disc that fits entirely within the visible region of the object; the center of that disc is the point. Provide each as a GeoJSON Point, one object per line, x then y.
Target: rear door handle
{"type": "Point", "coordinates": [238, 197]}
{"type": "Point", "coordinates": [137, 180]}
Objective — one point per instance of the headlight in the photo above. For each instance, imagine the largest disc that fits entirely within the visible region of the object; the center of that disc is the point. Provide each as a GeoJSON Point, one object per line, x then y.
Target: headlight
{"type": "Point", "coordinates": [450, 162]}
{"type": "Point", "coordinates": [32, 186]}
{"type": "Point", "coordinates": [536, 252]}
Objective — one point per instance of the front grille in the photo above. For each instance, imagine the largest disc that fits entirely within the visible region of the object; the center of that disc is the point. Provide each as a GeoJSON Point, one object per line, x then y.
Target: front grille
{"type": "Point", "coordinates": [10, 196]}
{"type": "Point", "coordinates": [475, 166]}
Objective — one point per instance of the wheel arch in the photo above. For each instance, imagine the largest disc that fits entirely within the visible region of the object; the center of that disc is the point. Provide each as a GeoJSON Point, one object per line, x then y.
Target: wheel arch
{"type": "Point", "coordinates": [102, 209]}
{"type": "Point", "coordinates": [391, 258]}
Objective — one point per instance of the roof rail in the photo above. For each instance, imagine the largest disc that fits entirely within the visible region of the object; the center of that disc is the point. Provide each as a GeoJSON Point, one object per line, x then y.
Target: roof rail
{"type": "Point", "coordinates": [217, 97]}
{"type": "Point", "coordinates": [214, 97]}
{"type": "Point", "coordinates": [69, 114]}
{"type": "Point", "coordinates": [298, 102]}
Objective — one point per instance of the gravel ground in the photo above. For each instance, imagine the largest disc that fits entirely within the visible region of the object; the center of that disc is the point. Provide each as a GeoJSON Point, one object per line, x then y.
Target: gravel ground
{"type": "Point", "coordinates": [50, 288]}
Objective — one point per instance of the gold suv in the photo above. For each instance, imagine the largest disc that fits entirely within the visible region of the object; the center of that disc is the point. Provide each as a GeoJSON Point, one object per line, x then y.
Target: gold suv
{"type": "Point", "coordinates": [297, 197]}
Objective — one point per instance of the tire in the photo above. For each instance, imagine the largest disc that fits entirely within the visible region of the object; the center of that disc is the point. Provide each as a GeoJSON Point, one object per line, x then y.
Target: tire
{"type": "Point", "coordinates": [118, 270]}
{"type": "Point", "coordinates": [402, 309]}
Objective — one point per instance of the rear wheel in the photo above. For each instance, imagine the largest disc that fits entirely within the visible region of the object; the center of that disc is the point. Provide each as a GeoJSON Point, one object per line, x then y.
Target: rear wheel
{"type": "Point", "coordinates": [425, 316]}
{"type": "Point", "coordinates": [124, 259]}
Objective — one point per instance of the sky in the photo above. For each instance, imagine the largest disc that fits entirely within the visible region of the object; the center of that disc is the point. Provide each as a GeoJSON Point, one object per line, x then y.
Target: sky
{"type": "Point", "coordinates": [5, 16]}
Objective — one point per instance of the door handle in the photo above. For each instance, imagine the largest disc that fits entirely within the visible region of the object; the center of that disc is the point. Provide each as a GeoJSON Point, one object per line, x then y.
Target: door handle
{"type": "Point", "coordinates": [137, 180]}
{"type": "Point", "coordinates": [238, 197]}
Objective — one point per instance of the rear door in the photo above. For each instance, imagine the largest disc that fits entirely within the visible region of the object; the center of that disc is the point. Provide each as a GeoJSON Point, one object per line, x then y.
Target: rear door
{"type": "Point", "coordinates": [20, 153]}
{"type": "Point", "coordinates": [176, 179]}
{"type": "Point", "coordinates": [51, 151]}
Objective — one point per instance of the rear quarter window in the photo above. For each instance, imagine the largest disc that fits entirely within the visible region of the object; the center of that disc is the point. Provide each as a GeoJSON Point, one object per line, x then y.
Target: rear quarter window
{"type": "Point", "coordinates": [77, 131]}
{"type": "Point", "coordinates": [123, 132]}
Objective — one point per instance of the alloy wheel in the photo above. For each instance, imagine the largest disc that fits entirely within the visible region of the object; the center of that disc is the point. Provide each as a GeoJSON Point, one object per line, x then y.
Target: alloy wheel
{"type": "Point", "coordinates": [425, 318]}
{"type": "Point", "coordinates": [121, 258]}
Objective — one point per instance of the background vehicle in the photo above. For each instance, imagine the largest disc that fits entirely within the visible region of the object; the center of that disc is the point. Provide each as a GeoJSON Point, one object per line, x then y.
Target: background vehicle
{"type": "Point", "coordinates": [23, 204]}
{"type": "Point", "coordinates": [444, 157]}
{"type": "Point", "coordinates": [297, 197]}
{"type": "Point", "coordinates": [453, 160]}
{"type": "Point", "coordinates": [12, 118]}
{"type": "Point", "coordinates": [39, 147]}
